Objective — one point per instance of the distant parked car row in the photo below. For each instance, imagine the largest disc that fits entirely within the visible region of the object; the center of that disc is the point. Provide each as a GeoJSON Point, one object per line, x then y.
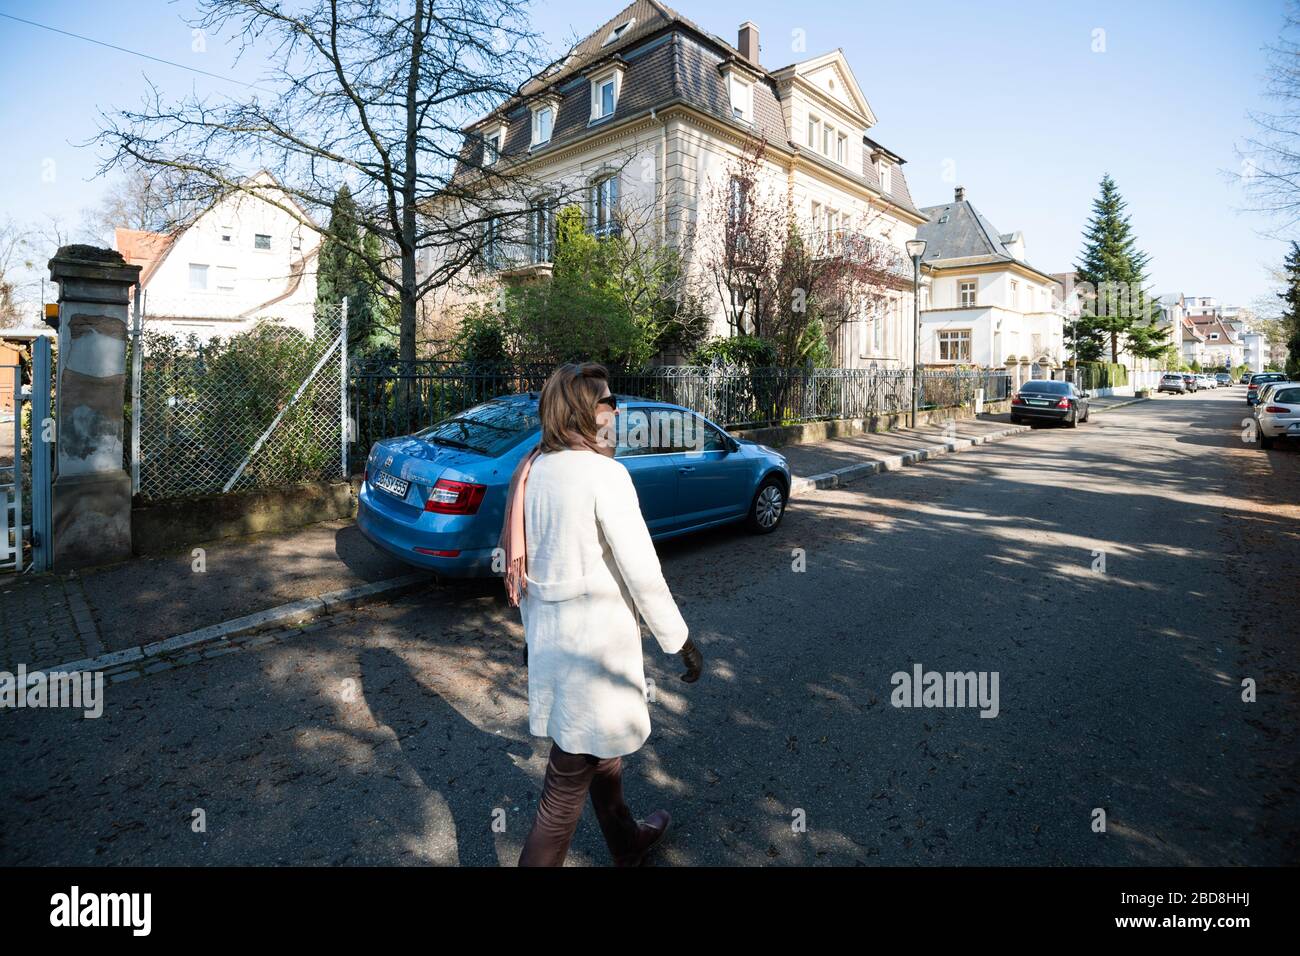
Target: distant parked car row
{"type": "Point", "coordinates": [1275, 403]}
{"type": "Point", "coordinates": [1181, 383]}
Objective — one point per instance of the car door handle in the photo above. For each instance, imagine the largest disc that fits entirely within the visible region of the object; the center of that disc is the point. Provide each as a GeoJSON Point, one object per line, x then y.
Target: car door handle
{"type": "Point", "coordinates": [685, 469]}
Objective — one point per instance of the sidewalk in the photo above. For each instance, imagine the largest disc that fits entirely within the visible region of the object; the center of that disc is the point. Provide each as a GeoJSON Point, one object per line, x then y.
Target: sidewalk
{"type": "Point", "coordinates": [239, 585]}
{"type": "Point", "coordinates": [52, 619]}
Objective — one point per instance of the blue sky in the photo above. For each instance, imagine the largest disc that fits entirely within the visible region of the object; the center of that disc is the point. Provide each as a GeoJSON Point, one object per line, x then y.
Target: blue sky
{"type": "Point", "coordinates": [1007, 97]}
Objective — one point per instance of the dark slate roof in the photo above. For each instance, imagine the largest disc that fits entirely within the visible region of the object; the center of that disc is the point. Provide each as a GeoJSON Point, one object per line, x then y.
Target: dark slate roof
{"type": "Point", "coordinates": [958, 230]}
{"type": "Point", "coordinates": [667, 59]}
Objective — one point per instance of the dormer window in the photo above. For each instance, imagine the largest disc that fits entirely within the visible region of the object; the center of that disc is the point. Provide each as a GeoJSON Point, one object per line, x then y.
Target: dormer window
{"type": "Point", "coordinates": [618, 32]}
{"type": "Point", "coordinates": [740, 91]}
{"type": "Point", "coordinates": [544, 122]}
{"type": "Point", "coordinates": [742, 99]}
{"type": "Point", "coordinates": [604, 93]}
{"type": "Point", "coordinates": [886, 174]}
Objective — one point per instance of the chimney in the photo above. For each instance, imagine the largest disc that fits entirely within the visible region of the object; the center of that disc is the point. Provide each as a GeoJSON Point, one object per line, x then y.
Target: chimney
{"type": "Point", "coordinates": [748, 41]}
{"type": "Point", "coordinates": [960, 194]}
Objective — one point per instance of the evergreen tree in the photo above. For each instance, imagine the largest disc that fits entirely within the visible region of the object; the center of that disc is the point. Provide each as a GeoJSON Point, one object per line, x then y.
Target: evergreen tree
{"type": "Point", "coordinates": [1121, 310]}
{"type": "Point", "coordinates": [341, 272]}
{"type": "Point", "coordinates": [1291, 312]}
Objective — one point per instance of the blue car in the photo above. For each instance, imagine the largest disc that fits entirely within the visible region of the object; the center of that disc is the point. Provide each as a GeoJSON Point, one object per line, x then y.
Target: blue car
{"type": "Point", "coordinates": [436, 499]}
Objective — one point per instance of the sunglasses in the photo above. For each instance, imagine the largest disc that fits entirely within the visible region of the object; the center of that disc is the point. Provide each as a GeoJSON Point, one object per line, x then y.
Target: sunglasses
{"type": "Point", "coordinates": [610, 400]}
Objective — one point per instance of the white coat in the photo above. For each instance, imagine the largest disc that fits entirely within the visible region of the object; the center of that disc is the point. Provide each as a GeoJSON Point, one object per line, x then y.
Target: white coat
{"type": "Point", "coordinates": [591, 568]}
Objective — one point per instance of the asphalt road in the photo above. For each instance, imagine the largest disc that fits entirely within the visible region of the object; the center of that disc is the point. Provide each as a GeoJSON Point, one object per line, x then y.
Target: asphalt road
{"type": "Point", "coordinates": [399, 734]}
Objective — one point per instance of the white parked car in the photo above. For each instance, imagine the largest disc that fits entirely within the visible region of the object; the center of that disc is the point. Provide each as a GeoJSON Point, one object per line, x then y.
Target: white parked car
{"type": "Point", "coordinates": [1262, 395]}
{"type": "Point", "coordinates": [1278, 414]}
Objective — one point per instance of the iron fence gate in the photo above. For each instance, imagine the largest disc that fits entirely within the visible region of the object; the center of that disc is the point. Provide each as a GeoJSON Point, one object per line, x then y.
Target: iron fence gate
{"type": "Point", "coordinates": [27, 465]}
{"type": "Point", "coordinates": [398, 398]}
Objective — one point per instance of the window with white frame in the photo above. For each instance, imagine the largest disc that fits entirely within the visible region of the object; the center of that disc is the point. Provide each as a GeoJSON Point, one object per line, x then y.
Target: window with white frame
{"type": "Point", "coordinates": [543, 124]}
{"type": "Point", "coordinates": [886, 174]}
{"type": "Point", "coordinates": [842, 149]}
{"type": "Point", "coordinates": [954, 345]}
{"type": "Point", "coordinates": [828, 137]}
{"type": "Point", "coordinates": [878, 330]}
{"type": "Point", "coordinates": [966, 293]}
{"type": "Point", "coordinates": [226, 278]}
{"type": "Point", "coordinates": [604, 206]}
{"type": "Point", "coordinates": [541, 230]}
{"type": "Point", "coordinates": [742, 98]}
{"type": "Point", "coordinates": [491, 148]}
{"type": "Point", "coordinates": [1015, 294]}
{"type": "Point", "coordinates": [604, 95]}
{"type": "Point", "coordinates": [262, 241]}
{"type": "Point", "coordinates": [814, 132]}
{"type": "Point", "coordinates": [198, 277]}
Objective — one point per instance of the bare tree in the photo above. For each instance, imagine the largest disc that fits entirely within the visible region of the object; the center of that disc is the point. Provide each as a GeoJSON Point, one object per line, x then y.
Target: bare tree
{"type": "Point", "coordinates": [15, 258]}
{"type": "Point", "coordinates": [374, 94]}
{"type": "Point", "coordinates": [148, 198]}
{"type": "Point", "coordinates": [1271, 160]}
{"type": "Point", "coordinates": [782, 279]}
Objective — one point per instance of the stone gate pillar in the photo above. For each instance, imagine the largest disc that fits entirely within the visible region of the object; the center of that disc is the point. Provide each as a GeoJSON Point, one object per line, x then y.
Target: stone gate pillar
{"type": "Point", "coordinates": [91, 502]}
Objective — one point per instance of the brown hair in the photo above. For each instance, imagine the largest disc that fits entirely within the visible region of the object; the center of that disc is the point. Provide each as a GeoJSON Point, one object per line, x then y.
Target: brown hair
{"type": "Point", "coordinates": [567, 405]}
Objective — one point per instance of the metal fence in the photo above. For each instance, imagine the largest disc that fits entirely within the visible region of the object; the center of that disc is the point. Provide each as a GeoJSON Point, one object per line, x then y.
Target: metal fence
{"type": "Point", "coordinates": [397, 398]}
{"type": "Point", "coordinates": [262, 408]}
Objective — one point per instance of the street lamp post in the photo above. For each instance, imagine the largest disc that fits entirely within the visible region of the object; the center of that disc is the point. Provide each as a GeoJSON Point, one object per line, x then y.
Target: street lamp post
{"type": "Point", "coordinates": [916, 249]}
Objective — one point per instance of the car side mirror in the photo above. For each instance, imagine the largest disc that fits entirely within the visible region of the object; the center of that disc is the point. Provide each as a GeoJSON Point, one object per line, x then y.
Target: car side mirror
{"type": "Point", "coordinates": [732, 445]}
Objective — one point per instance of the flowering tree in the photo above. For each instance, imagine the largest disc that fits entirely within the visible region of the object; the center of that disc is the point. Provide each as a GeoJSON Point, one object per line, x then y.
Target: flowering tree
{"type": "Point", "coordinates": [792, 283]}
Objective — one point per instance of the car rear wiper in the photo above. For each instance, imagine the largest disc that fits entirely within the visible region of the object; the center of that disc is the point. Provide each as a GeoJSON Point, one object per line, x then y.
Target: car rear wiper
{"type": "Point", "coordinates": [452, 443]}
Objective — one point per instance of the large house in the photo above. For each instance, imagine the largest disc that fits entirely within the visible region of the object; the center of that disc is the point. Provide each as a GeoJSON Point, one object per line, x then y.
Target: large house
{"type": "Point", "coordinates": [986, 304]}
{"type": "Point", "coordinates": [651, 114]}
{"type": "Point", "coordinates": [242, 261]}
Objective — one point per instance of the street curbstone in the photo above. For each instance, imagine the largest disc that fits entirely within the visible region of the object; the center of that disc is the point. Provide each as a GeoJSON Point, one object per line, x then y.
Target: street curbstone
{"type": "Point", "coordinates": [842, 476]}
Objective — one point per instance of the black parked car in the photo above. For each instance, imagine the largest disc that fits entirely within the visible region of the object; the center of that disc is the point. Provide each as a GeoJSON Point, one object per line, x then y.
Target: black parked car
{"type": "Point", "coordinates": [1049, 401]}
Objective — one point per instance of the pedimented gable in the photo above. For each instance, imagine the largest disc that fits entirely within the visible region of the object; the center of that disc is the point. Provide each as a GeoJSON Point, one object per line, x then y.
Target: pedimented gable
{"type": "Point", "coordinates": [831, 75]}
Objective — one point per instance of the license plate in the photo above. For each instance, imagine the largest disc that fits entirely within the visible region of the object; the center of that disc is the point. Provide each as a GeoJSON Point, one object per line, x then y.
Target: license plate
{"type": "Point", "coordinates": [1037, 401]}
{"type": "Point", "coordinates": [394, 486]}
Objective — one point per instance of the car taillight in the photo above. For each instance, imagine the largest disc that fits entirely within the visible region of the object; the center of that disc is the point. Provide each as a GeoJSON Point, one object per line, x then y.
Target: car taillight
{"type": "Point", "coordinates": [1277, 409]}
{"type": "Point", "coordinates": [1063, 403]}
{"type": "Point", "coordinates": [455, 497]}
{"type": "Point", "coordinates": [1017, 400]}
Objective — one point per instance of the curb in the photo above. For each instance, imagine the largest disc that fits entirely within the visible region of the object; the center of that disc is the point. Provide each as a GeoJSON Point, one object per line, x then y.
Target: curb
{"type": "Point", "coordinates": [1131, 401]}
{"type": "Point", "coordinates": [842, 476]}
{"type": "Point", "coordinates": [293, 614]}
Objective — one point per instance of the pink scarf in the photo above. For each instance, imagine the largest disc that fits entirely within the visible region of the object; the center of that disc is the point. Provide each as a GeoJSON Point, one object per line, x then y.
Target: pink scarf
{"type": "Point", "coordinates": [512, 540]}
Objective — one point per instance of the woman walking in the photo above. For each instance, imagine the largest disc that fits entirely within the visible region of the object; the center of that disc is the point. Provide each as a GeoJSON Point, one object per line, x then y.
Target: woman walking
{"type": "Point", "coordinates": [580, 565]}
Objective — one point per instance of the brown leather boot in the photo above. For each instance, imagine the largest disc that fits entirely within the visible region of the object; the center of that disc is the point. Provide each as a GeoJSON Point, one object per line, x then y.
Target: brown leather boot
{"type": "Point", "coordinates": [649, 833]}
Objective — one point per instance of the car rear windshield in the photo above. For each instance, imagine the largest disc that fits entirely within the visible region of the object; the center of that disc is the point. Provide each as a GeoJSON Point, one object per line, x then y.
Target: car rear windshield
{"type": "Point", "coordinates": [1267, 377]}
{"type": "Point", "coordinates": [489, 429]}
{"type": "Point", "coordinates": [1047, 388]}
{"type": "Point", "coordinates": [1286, 395]}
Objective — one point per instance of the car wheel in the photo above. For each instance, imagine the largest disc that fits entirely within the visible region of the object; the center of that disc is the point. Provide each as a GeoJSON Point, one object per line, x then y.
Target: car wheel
{"type": "Point", "coordinates": [768, 506]}
{"type": "Point", "coordinates": [1265, 441]}
{"type": "Point", "coordinates": [1086, 412]}
{"type": "Point", "coordinates": [1073, 420]}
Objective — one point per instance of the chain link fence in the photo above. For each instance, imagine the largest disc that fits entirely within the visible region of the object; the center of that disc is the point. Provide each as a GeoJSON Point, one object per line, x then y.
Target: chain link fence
{"type": "Point", "coordinates": [256, 409]}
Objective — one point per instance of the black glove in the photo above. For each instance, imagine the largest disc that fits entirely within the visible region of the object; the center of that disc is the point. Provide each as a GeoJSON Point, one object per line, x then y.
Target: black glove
{"type": "Point", "coordinates": [693, 660]}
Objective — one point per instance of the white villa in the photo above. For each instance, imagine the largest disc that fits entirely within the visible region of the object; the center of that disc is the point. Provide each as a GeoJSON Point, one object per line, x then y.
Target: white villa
{"type": "Point", "coordinates": [241, 261]}
{"type": "Point", "coordinates": [651, 113]}
{"type": "Point", "coordinates": [986, 305]}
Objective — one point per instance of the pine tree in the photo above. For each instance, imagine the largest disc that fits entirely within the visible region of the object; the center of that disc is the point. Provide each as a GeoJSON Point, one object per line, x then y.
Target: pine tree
{"type": "Point", "coordinates": [1291, 313]}
{"type": "Point", "coordinates": [1111, 263]}
{"type": "Point", "coordinates": [342, 272]}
